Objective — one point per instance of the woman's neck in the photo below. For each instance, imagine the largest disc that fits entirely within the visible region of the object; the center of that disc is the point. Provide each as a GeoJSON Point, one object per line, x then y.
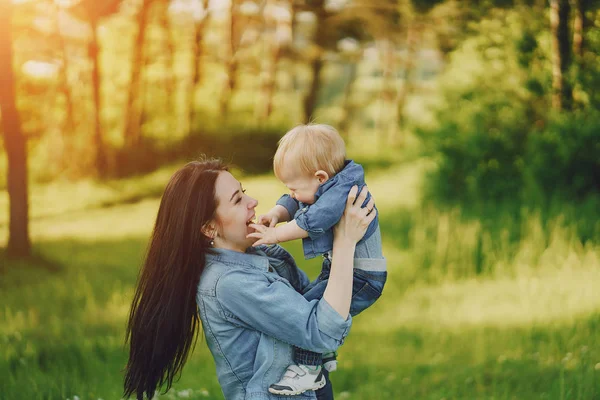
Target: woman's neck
{"type": "Point", "coordinates": [226, 246]}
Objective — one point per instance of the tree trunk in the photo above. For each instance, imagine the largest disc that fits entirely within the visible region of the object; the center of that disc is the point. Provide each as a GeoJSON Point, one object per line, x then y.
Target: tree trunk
{"type": "Point", "coordinates": [407, 84]}
{"type": "Point", "coordinates": [101, 162]}
{"type": "Point", "coordinates": [69, 122]}
{"type": "Point", "coordinates": [133, 128]}
{"type": "Point", "coordinates": [232, 63]}
{"type": "Point", "coordinates": [310, 101]}
{"type": "Point", "coordinates": [19, 245]}
{"type": "Point", "coordinates": [199, 27]}
{"type": "Point", "coordinates": [270, 62]}
{"type": "Point", "coordinates": [348, 106]}
{"type": "Point", "coordinates": [561, 54]}
{"type": "Point", "coordinates": [271, 83]}
{"type": "Point", "coordinates": [580, 24]}
{"type": "Point", "coordinates": [64, 148]}
{"type": "Point", "coordinates": [169, 51]}
{"type": "Point", "coordinates": [384, 121]}
{"type": "Point", "coordinates": [295, 83]}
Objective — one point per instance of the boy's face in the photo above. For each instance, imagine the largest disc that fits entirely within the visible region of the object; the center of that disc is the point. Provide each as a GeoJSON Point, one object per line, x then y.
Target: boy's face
{"type": "Point", "coordinates": [302, 186]}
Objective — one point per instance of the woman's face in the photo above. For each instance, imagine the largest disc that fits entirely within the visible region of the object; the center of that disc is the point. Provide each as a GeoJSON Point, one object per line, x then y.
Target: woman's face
{"type": "Point", "coordinates": [235, 210]}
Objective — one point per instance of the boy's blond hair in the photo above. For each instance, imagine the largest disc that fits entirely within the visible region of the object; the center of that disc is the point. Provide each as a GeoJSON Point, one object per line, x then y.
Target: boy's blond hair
{"type": "Point", "coordinates": [310, 148]}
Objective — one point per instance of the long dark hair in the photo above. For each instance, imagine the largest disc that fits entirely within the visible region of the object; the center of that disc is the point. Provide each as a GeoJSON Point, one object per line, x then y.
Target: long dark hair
{"type": "Point", "coordinates": [163, 322]}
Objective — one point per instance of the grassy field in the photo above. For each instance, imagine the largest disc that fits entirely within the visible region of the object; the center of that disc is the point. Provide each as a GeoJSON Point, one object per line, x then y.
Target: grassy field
{"type": "Point", "coordinates": [502, 306]}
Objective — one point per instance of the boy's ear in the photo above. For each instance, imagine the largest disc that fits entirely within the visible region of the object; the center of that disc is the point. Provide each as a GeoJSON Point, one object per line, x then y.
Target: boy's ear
{"type": "Point", "coordinates": [321, 175]}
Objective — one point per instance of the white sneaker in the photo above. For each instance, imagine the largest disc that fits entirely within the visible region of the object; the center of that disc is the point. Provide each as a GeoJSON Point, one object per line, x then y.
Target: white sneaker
{"type": "Point", "coordinates": [298, 379]}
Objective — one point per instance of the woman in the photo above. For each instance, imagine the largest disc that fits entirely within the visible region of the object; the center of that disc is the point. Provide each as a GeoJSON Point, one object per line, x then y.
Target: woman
{"type": "Point", "coordinates": [201, 266]}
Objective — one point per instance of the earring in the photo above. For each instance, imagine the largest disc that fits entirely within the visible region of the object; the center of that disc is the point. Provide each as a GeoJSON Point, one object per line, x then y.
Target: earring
{"type": "Point", "coordinates": [212, 241]}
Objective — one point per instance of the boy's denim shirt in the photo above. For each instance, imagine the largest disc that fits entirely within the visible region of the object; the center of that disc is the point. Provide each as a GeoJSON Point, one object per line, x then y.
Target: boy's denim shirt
{"type": "Point", "coordinates": [253, 312]}
{"type": "Point", "coordinates": [319, 218]}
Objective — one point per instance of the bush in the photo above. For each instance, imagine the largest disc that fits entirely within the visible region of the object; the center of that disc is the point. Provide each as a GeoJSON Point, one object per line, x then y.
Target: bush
{"type": "Point", "coordinates": [497, 137]}
{"type": "Point", "coordinates": [482, 157]}
{"type": "Point", "coordinates": [503, 160]}
{"type": "Point", "coordinates": [564, 157]}
{"type": "Point", "coordinates": [250, 149]}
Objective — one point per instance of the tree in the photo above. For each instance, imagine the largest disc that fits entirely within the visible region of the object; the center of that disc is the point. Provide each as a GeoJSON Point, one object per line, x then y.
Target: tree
{"type": "Point", "coordinates": [316, 65]}
{"type": "Point", "coordinates": [277, 31]}
{"type": "Point", "coordinates": [133, 128]}
{"type": "Point", "coordinates": [69, 122]}
{"type": "Point", "coordinates": [232, 61]}
{"type": "Point", "coordinates": [561, 54]}
{"type": "Point", "coordinates": [169, 56]}
{"type": "Point", "coordinates": [197, 49]}
{"type": "Point", "coordinates": [351, 52]}
{"type": "Point", "coordinates": [580, 26]}
{"type": "Point", "coordinates": [93, 11]}
{"type": "Point", "coordinates": [19, 244]}
{"type": "Point", "coordinates": [361, 20]}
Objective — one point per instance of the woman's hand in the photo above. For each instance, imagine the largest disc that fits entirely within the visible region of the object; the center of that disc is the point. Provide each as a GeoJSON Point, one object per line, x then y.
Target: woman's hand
{"type": "Point", "coordinates": [348, 231]}
{"type": "Point", "coordinates": [356, 219]}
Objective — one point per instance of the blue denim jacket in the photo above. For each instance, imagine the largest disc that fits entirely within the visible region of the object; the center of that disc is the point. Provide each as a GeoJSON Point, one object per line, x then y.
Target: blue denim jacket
{"type": "Point", "coordinates": [252, 312]}
{"type": "Point", "coordinates": [319, 218]}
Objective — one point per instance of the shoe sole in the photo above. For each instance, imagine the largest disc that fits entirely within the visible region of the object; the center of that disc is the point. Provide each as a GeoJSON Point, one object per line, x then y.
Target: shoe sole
{"type": "Point", "coordinates": [297, 392]}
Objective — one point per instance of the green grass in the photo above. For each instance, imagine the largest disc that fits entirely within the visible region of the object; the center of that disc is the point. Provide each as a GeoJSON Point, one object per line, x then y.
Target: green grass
{"type": "Point", "coordinates": [501, 307]}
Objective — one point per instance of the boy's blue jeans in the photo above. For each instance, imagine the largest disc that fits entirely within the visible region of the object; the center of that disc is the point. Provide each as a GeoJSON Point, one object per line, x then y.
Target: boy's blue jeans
{"type": "Point", "coordinates": [367, 286]}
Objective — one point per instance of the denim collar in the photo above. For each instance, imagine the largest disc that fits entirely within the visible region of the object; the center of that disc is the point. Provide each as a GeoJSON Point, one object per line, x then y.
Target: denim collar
{"type": "Point", "coordinates": [253, 257]}
{"type": "Point", "coordinates": [351, 171]}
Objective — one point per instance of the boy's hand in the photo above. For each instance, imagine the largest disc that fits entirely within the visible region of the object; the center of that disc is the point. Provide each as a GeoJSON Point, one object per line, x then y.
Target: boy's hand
{"type": "Point", "coordinates": [265, 235]}
{"type": "Point", "coordinates": [269, 219]}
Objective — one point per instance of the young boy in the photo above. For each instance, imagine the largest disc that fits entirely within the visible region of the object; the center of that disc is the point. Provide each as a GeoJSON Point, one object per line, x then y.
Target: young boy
{"type": "Point", "coordinates": [311, 161]}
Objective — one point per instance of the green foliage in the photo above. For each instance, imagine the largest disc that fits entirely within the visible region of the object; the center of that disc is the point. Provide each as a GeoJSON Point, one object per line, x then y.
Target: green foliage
{"type": "Point", "coordinates": [249, 148]}
{"type": "Point", "coordinates": [495, 138]}
{"type": "Point", "coordinates": [483, 160]}
{"type": "Point", "coordinates": [480, 139]}
{"type": "Point", "coordinates": [587, 72]}
{"type": "Point", "coordinates": [500, 158]}
{"type": "Point", "coordinates": [565, 155]}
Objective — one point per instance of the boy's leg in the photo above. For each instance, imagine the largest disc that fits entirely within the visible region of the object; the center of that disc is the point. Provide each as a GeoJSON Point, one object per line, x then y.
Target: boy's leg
{"type": "Point", "coordinates": [325, 393]}
{"type": "Point", "coordinates": [370, 273]}
{"type": "Point", "coordinates": [370, 248]}
{"type": "Point", "coordinates": [315, 291]}
{"type": "Point", "coordinates": [307, 372]}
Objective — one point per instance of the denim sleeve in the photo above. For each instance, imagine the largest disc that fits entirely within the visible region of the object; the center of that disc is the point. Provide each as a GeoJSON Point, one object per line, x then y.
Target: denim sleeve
{"type": "Point", "coordinates": [277, 310]}
{"type": "Point", "coordinates": [291, 205]}
{"type": "Point", "coordinates": [326, 211]}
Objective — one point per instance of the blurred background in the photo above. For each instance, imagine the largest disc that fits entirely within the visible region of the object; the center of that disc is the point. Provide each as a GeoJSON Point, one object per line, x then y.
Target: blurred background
{"type": "Point", "coordinates": [478, 123]}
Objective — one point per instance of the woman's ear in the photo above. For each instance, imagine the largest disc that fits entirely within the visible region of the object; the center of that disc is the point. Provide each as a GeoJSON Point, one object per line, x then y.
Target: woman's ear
{"type": "Point", "coordinates": [209, 230]}
{"type": "Point", "coordinates": [322, 176]}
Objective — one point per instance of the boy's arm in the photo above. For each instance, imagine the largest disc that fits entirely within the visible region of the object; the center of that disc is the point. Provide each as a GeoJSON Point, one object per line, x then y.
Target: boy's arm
{"type": "Point", "coordinates": [289, 231]}
{"type": "Point", "coordinates": [281, 213]}
{"type": "Point", "coordinates": [312, 221]}
{"type": "Point", "coordinates": [290, 204]}
{"type": "Point", "coordinates": [274, 216]}
{"type": "Point", "coordinates": [273, 235]}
